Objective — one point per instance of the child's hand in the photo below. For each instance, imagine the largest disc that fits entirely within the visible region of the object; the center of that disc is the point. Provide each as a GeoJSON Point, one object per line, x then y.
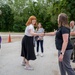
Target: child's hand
{"type": "Point", "coordinates": [42, 34]}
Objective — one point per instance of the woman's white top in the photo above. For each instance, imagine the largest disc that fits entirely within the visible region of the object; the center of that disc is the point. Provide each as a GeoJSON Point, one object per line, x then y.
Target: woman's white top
{"type": "Point", "coordinates": [28, 28]}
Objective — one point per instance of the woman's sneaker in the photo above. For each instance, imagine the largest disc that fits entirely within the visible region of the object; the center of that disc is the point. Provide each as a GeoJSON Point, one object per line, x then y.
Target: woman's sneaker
{"type": "Point", "coordinates": [23, 63]}
{"type": "Point", "coordinates": [28, 67]}
{"type": "Point", "coordinates": [37, 54]}
{"type": "Point", "coordinates": [41, 54]}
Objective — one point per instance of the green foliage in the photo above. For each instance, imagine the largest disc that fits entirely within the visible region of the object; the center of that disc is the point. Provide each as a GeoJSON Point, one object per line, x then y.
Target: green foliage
{"type": "Point", "coordinates": [6, 18]}
{"type": "Point", "coordinates": [16, 13]}
{"type": "Point", "coordinates": [18, 28]}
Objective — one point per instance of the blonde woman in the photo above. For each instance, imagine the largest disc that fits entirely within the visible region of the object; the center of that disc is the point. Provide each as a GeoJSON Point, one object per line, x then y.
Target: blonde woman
{"type": "Point", "coordinates": [63, 45]}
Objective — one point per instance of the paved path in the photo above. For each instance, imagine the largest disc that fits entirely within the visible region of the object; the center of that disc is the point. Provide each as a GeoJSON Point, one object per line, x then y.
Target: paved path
{"type": "Point", "coordinates": [10, 60]}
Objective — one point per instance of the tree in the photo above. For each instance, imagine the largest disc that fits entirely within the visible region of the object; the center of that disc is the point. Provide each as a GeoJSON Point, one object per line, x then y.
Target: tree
{"type": "Point", "coordinates": [46, 12]}
{"type": "Point", "coordinates": [6, 19]}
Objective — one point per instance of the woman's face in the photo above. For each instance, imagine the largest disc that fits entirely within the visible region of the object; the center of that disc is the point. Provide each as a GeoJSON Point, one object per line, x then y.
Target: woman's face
{"type": "Point", "coordinates": [39, 25]}
{"type": "Point", "coordinates": [33, 22]}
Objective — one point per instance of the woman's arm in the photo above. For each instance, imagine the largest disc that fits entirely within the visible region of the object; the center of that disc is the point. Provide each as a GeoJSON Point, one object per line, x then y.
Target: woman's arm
{"type": "Point", "coordinates": [36, 34]}
{"type": "Point", "coordinates": [65, 42]}
{"type": "Point", "coordinates": [50, 33]}
{"type": "Point", "coordinates": [64, 46]}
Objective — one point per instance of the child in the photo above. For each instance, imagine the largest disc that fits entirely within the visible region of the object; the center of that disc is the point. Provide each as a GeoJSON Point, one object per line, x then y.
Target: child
{"type": "Point", "coordinates": [40, 39]}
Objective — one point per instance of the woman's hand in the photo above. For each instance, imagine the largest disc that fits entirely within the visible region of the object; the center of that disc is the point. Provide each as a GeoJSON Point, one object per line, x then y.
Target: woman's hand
{"type": "Point", "coordinates": [61, 58]}
{"type": "Point", "coordinates": [41, 34]}
{"type": "Point", "coordinates": [50, 33]}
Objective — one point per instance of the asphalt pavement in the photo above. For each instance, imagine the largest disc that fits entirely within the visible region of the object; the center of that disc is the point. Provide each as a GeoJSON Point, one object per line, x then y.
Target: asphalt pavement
{"type": "Point", "coordinates": [10, 59]}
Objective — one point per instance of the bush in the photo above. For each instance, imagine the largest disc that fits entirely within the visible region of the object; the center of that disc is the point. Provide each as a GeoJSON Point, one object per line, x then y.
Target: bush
{"type": "Point", "coordinates": [18, 28]}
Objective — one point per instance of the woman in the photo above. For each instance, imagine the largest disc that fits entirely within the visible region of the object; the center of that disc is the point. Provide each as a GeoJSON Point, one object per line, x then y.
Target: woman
{"type": "Point", "coordinates": [40, 39]}
{"type": "Point", "coordinates": [28, 43]}
{"type": "Point", "coordinates": [63, 45]}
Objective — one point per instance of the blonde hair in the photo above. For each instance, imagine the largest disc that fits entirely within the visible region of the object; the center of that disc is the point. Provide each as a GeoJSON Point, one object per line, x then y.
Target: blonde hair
{"type": "Point", "coordinates": [30, 20]}
{"type": "Point", "coordinates": [63, 20]}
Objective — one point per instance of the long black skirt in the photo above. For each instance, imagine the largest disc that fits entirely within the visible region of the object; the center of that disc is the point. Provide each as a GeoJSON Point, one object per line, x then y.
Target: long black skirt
{"type": "Point", "coordinates": [28, 48]}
